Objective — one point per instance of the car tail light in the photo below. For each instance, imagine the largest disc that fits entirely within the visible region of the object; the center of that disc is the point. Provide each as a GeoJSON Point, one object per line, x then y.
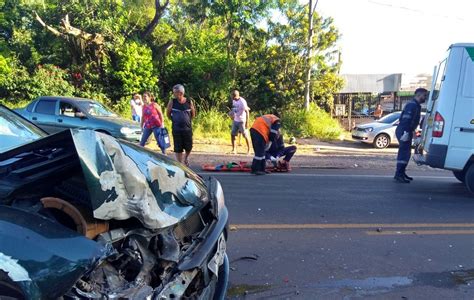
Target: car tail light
{"type": "Point", "coordinates": [438, 125]}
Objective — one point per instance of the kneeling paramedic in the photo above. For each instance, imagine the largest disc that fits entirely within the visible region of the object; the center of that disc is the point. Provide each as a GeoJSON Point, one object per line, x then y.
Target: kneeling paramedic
{"type": "Point", "coordinates": [278, 150]}
{"type": "Point", "coordinates": [409, 121]}
{"type": "Point", "coordinates": [263, 132]}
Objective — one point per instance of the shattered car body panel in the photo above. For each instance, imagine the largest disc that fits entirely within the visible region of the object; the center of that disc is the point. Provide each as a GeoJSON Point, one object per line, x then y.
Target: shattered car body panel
{"type": "Point", "coordinates": [149, 219]}
{"type": "Point", "coordinates": [44, 259]}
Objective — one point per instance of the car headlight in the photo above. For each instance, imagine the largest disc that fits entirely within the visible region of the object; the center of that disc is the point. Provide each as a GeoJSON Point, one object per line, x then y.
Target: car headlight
{"type": "Point", "coordinates": [127, 131]}
{"type": "Point", "coordinates": [370, 129]}
{"type": "Point", "coordinates": [219, 194]}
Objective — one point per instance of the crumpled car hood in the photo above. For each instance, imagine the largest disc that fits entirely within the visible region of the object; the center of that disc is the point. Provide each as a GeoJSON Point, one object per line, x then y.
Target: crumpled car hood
{"type": "Point", "coordinates": [123, 180]}
{"type": "Point", "coordinates": [126, 181]}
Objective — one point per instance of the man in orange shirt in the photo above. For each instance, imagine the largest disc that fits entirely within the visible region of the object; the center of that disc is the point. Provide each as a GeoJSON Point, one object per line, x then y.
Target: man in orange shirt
{"type": "Point", "coordinates": [264, 131]}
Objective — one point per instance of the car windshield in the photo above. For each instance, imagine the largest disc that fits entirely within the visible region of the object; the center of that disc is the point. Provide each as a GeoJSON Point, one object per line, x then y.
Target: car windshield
{"type": "Point", "coordinates": [95, 109]}
{"type": "Point", "coordinates": [16, 131]}
{"type": "Point", "coordinates": [389, 119]}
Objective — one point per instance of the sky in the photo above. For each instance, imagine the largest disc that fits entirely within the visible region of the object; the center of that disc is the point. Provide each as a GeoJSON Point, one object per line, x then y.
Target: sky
{"type": "Point", "coordinates": [398, 36]}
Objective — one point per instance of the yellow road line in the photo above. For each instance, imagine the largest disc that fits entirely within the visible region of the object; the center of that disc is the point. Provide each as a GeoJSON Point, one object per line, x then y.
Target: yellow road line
{"type": "Point", "coordinates": [420, 232]}
{"type": "Point", "coordinates": [351, 226]}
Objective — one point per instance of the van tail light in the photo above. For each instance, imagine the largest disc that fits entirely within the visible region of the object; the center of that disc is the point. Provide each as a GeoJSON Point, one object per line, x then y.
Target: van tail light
{"type": "Point", "coordinates": [438, 125]}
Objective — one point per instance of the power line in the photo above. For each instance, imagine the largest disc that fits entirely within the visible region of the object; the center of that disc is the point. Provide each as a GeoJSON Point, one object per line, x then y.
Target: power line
{"type": "Point", "coordinates": [418, 11]}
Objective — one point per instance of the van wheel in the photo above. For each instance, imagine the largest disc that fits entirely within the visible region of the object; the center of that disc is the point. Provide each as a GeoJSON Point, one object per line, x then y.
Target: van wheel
{"type": "Point", "coordinates": [381, 141]}
{"type": "Point", "coordinates": [460, 175]}
{"type": "Point", "coordinates": [469, 178]}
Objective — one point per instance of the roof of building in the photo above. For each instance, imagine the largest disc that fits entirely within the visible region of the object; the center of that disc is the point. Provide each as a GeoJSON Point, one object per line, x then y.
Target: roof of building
{"type": "Point", "coordinates": [371, 83]}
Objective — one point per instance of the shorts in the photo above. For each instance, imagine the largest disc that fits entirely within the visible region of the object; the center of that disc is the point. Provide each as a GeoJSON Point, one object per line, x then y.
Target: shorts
{"type": "Point", "coordinates": [238, 127]}
{"type": "Point", "coordinates": [183, 141]}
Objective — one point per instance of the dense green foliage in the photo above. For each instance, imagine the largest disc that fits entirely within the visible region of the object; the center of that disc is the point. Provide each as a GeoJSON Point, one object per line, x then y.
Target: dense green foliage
{"type": "Point", "coordinates": [108, 50]}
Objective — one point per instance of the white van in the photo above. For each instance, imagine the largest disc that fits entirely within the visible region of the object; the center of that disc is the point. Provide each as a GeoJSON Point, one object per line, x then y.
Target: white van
{"type": "Point", "coordinates": [448, 130]}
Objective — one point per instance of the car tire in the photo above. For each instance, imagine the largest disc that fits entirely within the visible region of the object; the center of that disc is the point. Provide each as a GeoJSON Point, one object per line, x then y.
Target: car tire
{"type": "Point", "coordinates": [460, 175]}
{"type": "Point", "coordinates": [381, 141]}
{"type": "Point", "coordinates": [469, 178]}
{"type": "Point", "coordinates": [9, 289]}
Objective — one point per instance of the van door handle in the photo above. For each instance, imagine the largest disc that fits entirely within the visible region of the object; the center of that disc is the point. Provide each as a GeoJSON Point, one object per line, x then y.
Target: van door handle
{"type": "Point", "coordinates": [34, 118]}
{"type": "Point", "coordinates": [60, 120]}
{"type": "Point", "coordinates": [463, 129]}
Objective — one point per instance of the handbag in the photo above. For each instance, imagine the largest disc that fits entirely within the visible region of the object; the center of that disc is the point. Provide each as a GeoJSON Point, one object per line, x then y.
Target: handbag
{"type": "Point", "coordinates": [164, 139]}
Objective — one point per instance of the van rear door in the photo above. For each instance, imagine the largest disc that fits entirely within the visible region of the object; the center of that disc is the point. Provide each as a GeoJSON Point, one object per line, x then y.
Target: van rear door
{"type": "Point", "coordinates": [461, 143]}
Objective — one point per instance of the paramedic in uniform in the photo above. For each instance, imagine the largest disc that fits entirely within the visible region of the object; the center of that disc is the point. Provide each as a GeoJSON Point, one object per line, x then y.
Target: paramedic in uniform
{"type": "Point", "coordinates": [263, 132]}
{"type": "Point", "coordinates": [409, 121]}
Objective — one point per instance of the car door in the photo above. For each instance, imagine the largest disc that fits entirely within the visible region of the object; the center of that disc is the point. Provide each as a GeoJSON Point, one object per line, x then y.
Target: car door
{"type": "Point", "coordinates": [70, 116]}
{"type": "Point", "coordinates": [461, 142]}
{"type": "Point", "coordinates": [44, 115]}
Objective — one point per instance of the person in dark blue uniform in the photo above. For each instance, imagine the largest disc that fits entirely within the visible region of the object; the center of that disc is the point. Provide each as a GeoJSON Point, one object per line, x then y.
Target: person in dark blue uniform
{"type": "Point", "coordinates": [409, 121]}
{"type": "Point", "coordinates": [278, 149]}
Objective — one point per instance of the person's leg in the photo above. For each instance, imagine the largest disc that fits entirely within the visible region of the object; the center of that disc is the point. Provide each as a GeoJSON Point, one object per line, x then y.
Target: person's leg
{"type": "Point", "coordinates": [240, 138]}
{"type": "Point", "coordinates": [403, 158]}
{"type": "Point", "coordinates": [178, 146]}
{"type": "Point", "coordinates": [246, 137]}
{"type": "Point", "coordinates": [233, 133]}
{"type": "Point", "coordinates": [145, 135]}
{"type": "Point", "coordinates": [258, 143]}
{"type": "Point", "coordinates": [188, 146]}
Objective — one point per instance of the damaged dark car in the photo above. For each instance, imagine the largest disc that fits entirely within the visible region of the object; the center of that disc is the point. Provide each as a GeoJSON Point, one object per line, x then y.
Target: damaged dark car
{"type": "Point", "coordinates": [86, 216]}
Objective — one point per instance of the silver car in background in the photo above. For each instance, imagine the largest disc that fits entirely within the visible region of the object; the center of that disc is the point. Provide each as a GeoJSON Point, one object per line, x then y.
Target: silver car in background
{"type": "Point", "coordinates": [380, 133]}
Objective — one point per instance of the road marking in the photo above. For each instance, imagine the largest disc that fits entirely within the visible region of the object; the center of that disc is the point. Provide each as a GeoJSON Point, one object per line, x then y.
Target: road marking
{"type": "Point", "coordinates": [321, 175]}
{"type": "Point", "coordinates": [351, 226]}
{"type": "Point", "coordinates": [420, 232]}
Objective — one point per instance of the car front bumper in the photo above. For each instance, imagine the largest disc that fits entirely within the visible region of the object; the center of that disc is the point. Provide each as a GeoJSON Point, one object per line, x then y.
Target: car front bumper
{"type": "Point", "coordinates": [366, 137]}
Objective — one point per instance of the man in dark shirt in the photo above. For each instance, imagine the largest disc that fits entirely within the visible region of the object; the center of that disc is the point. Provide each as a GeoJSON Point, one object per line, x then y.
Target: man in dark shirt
{"type": "Point", "coordinates": [278, 149]}
{"type": "Point", "coordinates": [181, 111]}
{"type": "Point", "coordinates": [409, 121]}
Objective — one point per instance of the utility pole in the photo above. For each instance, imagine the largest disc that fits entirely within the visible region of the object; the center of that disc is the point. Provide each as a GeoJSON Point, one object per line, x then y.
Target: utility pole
{"type": "Point", "coordinates": [309, 52]}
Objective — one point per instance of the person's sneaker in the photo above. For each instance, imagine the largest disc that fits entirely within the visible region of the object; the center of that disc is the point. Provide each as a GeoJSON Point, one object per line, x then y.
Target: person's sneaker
{"type": "Point", "coordinates": [258, 173]}
{"type": "Point", "coordinates": [407, 177]}
{"type": "Point", "coordinates": [401, 179]}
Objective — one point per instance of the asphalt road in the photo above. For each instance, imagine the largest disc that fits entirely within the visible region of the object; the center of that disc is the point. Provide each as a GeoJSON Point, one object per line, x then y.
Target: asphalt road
{"type": "Point", "coordinates": [340, 234]}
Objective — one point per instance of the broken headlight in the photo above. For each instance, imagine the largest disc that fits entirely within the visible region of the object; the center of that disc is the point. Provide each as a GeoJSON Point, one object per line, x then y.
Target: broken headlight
{"type": "Point", "coordinates": [219, 195]}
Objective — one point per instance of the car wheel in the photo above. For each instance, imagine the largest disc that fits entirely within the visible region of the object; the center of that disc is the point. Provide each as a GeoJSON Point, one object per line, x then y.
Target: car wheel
{"type": "Point", "coordinates": [460, 175]}
{"type": "Point", "coordinates": [381, 141]}
{"type": "Point", "coordinates": [469, 178]}
{"type": "Point", "coordinates": [9, 289]}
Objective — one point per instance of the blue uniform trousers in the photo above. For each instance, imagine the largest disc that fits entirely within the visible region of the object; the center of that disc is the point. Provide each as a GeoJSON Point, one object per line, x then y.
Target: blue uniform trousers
{"type": "Point", "coordinates": [404, 151]}
{"type": "Point", "coordinates": [258, 143]}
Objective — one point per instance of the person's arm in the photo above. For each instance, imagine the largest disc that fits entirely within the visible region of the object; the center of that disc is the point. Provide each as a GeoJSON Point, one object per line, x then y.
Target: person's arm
{"type": "Point", "coordinates": [160, 113]}
{"type": "Point", "coordinates": [142, 118]}
{"type": "Point", "coordinates": [168, 108]}
{"type": "Point", "coordinates": [193, 109]}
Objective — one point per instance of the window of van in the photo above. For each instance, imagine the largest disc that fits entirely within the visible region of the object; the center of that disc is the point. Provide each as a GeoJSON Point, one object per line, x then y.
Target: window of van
{"type": "Point", "coordinates": [468, 84]}
{"type": "Point", "coordinates": [439, 79]}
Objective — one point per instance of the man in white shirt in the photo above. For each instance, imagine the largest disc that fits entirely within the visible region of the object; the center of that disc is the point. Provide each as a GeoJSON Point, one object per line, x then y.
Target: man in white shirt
{"type": "Point", "coordinates": [240, 115]}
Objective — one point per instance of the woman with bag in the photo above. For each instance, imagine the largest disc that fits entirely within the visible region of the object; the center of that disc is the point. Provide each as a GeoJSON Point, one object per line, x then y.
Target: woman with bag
{"type": "Point", "coordinates": [152, 121]}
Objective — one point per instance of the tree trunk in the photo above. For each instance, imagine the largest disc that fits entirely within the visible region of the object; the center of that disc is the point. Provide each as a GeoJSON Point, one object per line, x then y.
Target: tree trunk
{"type": "Point", "coordinates": [159, 10]}
{"type": "Point", "coordinates": [309, 53]}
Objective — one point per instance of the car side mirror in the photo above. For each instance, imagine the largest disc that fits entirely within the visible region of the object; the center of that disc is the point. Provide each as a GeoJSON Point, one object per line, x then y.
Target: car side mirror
{"type": "Point", "coordinates": [80, 115]}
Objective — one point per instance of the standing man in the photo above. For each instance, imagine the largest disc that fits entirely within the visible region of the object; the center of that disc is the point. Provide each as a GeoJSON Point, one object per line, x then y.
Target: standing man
{"type": "Point", "coordinates": [263, 132]}
{"type": "Point", "coordinates": [240, 114]}
{"type": "Point", "coordinates": [181, 111]}
{"type": "Point", "coordinates": [409, 121]}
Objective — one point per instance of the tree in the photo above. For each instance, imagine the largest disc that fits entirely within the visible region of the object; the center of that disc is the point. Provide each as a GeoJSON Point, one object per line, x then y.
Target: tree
{"type": "Point", "coordinates": [309, 52]}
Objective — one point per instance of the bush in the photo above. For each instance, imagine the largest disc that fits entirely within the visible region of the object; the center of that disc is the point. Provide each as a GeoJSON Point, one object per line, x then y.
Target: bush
{"type": "Point", "coordinates": [212, 124]}
{"type": "Point", "coordinates": [313, 123]}
{"type": "Point", "coordinates": [49, 80]}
